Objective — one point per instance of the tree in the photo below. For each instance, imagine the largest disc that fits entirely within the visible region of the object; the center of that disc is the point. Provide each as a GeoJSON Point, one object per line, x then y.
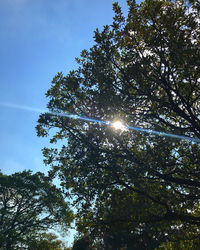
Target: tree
{"type": "Point", "coordinates": [29, 204]}
{"type": "Point", "coordinates": [81, 243]}
{"type": "Point", "coordinates": [121, 222]}
{"type": "Point", "coordinates": [46, 241]}
{"type": "Point", "coordinates": [143, 70]}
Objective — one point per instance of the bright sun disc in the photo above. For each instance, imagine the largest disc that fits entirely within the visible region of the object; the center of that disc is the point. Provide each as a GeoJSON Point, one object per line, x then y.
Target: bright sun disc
{"type": "Point", "coordinates": [118, 125]}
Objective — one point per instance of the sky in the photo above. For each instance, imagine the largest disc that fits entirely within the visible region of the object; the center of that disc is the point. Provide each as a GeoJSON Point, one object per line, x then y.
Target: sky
{"type": "Point", "coordinates": [38, 39]}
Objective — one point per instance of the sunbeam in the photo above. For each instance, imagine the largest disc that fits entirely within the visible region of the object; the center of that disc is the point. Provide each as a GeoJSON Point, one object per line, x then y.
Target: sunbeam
{"type": "Point", "coordinates": [126, 127]}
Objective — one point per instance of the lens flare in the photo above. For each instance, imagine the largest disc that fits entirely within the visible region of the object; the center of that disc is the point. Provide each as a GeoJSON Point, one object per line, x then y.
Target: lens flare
{"type": "Point", "coordinates": [116, 124]}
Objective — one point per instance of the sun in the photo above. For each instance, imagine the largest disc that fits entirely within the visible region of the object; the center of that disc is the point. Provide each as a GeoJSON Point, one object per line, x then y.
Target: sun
{"type": "Point", "coordinates": [118, 125]}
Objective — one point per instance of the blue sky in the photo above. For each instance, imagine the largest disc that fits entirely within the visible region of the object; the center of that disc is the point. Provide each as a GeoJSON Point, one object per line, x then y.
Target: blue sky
{"type": "Point", "coordinates": [38, 39]}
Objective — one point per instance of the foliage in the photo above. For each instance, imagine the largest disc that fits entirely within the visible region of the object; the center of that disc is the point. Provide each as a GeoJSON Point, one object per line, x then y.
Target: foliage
{"type": "Point", "coordinates": [81, 243]}
{"type": "Point", "coordinates": [122, 222]}
{"type": "Point", "coordinates": [144, 70]}
{"type": "Point", "coordinates": [46, 241]}
{"type": "Point", "coordinates": [29, 203]}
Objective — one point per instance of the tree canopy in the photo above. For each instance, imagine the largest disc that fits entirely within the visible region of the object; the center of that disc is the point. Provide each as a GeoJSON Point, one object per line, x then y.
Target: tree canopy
{"type": "Point", "coordinates": [143, 70]}
{"type": "Point", "coordinates": [46, 241]}
{"type": "Point", "coordinates": [29, 204]}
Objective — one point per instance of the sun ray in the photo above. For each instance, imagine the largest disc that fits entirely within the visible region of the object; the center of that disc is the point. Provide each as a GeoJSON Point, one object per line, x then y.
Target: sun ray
{"type": "Point", "coordinates": [115, 125]}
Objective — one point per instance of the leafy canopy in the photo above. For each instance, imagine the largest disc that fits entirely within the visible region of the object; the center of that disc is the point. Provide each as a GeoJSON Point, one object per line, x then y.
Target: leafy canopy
{"type": "Point", "coordinates": [144, 70]}
{"type": "Point", "coordinates": [29, 204]}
